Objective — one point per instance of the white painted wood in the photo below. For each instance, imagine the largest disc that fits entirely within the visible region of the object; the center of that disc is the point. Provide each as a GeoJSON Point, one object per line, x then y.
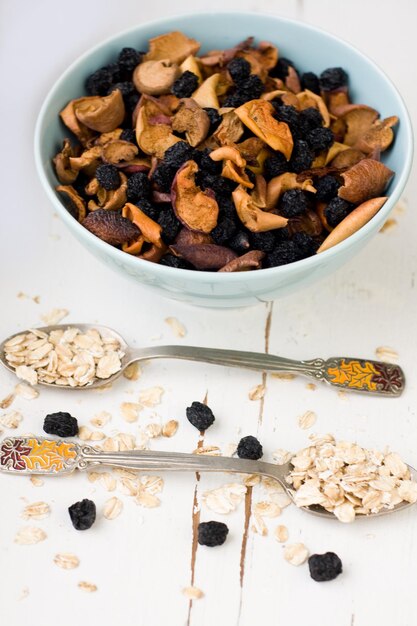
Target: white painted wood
{"type": "Point", "coordinates": [141, 560]}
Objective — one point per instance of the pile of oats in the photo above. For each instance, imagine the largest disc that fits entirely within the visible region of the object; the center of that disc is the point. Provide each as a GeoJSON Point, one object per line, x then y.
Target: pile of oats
{"type": "Point", "coordinates": [349, 480]}
{"type": "Point", "coordinates": [63, 357]}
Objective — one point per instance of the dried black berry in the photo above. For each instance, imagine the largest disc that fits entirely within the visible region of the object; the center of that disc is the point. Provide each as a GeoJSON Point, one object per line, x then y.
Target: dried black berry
{"type": "Point", "coordinates": [333, 78]}
{"type": "Point", "coordinates": [220, 185]}
{"type": "Point", "coordinates": [185, 85]}
{"type": "Point", "coordinates": [82, 514]}
{"type": "Point", "coordinates": [61, 424]}
{"type": "Point", "coordinates": [305, 243]}
{"type": "Point", "coordinates": [281, 68]}
{"type": "Point", "coordinates": [200, 415]}
{"type": "Point", "coordinates": [205, 163]}
{"type": "Point", "coordinates": [126, 88]}
{"type": "Point", "coordinates": [289, 115]}
{"type": "Point", "coordinates": [239, 242]}
{"type": "Point", "coordinates": [169, 223]}
{"type": "Point", "coordinates": [249, 89]}
{"type": "Point", "coordinates": [309, 119]}
{"type": "Point", "coordinates": [212, 533]}
{"type": "Point", "coordinates": [108, 176]}
{"type": "Point", "coordinates": [310, 81]}
{"type": "Point", "coordinates": [234, 100]}
{"type": "Point", "coordinates": [324, 567]}
{"type": "Point", "coordinates": [163, 176]}
{"type": "Point", "coordinates": [178, 154]}
{"type": "Point", "coordinates": [293, 202]}
{"type": "Point", "coordinates": [301, 157]}
{"type": "Point", "coordinates": [337, 210]}
{"type": "Point", "coordinates": [148, 208]}
{"type": "Point", "coordinates": [174, 261]}
{"type": "Point", "coordinates": [284, 253]}
{"type": "Point", "coordinates": [249, 448]}
{"type": "Point", "coordinates": [99, 83]}
{"type": "Point", "coordinates": [128, 134]}
{"type": "Point", "coordinates": [131, 102]}
{"type": "Point", "coordinates": [128, 59]}
{"type": "Point", "coordinates": [275, 165]}
{"type": "Point", "coordinates": [320, 139]}
{"type": "Point", "coordinates": [214, 117]}
{"type": "Point", "coordinates": [138, 187]}
{"type": "Point", "coordinates": [326, 187]}
{"type": "Point", "coordinates": [225, 229]}
{"type": "Point", "coordinates": [263, 241]}
{"type": "Point", "coordinates": [239, 70]}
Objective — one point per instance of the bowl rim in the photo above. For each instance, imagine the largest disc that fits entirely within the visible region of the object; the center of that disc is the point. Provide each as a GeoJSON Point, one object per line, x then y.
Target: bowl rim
{"type": "Point", "coordinates": [400, 179]}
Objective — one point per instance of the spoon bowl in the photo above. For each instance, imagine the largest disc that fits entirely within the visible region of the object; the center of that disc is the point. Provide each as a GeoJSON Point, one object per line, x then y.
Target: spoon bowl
{"type": "Point", "coordinates": [349, 373]}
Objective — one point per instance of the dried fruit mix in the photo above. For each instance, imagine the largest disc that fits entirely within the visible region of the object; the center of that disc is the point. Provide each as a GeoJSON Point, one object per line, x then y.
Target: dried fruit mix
{"type": "Point", "coordinates": [230, 161]}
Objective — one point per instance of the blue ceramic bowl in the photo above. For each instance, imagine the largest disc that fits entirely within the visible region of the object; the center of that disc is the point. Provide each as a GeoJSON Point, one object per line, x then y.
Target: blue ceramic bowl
{"type": "Point", "coordinates": [310, 49]}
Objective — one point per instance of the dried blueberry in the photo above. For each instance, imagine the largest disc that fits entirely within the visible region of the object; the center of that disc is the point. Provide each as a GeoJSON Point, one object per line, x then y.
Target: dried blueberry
{"type": "Point", "coordinates": [324, 567]}
{"type": "Point", "coordinates": [128, 59]}
{"type": "Point", "coordinates": [309, 119]}
{"type": "Point", "coordinates": [301, 157]}
{"type": "Point", "coordinates": [128, 134]}
{"type": "Point", "coordinates": [225, 229]}
{"type": "Point", "coordinates": [326, 187]}
{"type": "Point", "coordinates": [305, 243]}
{"type": "Point", "coordinates": [218, 184]}
{"type": "Point", "coordinates": [240, 242]}
{"type": "Point", "coordinates": [263, 241]}
{"type": "Point", "coordinates": [82, 514]}
{"type": "Point", "coordinates": [200, 415]}
{"type": "Point", "coordinates": [163, 176]}
{"type": "Point", "coordinates": [126, 88]}
{"type": "Point", "coordinates": [310, 81]}
{"type": "Point", "coordinates": [205, 163]}
{"type": "Point", "coordinates": [285, 252]}
{"type": "Point", "coordinates": [281, 68]}
{"type": "Point", "coordinates": [169, 260]}
{"type": "Point", "coordinates": [212, 533]}
{"type": "Point", "coordinates": [178, 154]}
{"type": "Point", "coordinates": [185, 85]}
{"type": "Point", "coordinates": [333, 78]}
{"type": "Point", "coordinates": [214, 117]}
{"type": "Point", "coordinates": [148, 208]}
{"type": "Point", "coordinates": [249, 448]}
{"type": "Point", "coordinates": [289, 115]}
{"type": "Point", "coordinates": [239, 70]}
{"type": "Point", "coordinates": [169, 223]}
{"type": "Point", "coordinates": [337, 210]}
{"type": "Point", "coordinates": [61, 424]}
{"type": "Point", "coordinates": [293, 202]}
{"type": "Point", "coordinates": [138, 187]}
{"type": "Point", "coordinates": [108, 177]}
{"type": "Point", "coordinates": [320, 139]}
{"type": "Point", "coordinates": [275, 165]}
{"type": "Point", "coordinates": [99, 83]}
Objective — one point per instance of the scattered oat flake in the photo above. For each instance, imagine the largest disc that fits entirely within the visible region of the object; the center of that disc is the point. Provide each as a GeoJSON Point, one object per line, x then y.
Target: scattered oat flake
{"type": "Point", "coordinates": [7, 401]}
{"type": "Point", "coordinates": [295, 553]}
{"type": "Point", "coordinates": [36, 510]}
{"type": "Point", "coordinates": [387, 354]}
{"type": "Point", "coordinates": [27, 373]}
{"type": "Point", "coordinates": [133, 371]}
{"type": "Point", "coordinates": [284, 375]}
{"type": "Point", "coordinates": [258, 526]}
{"type": "Point", "coordinates": [281, 533]}
{"type": "Point", "coordinates": [177, 328]}
{"type": "Point", "coordinates": [342, 394]}
{"type": "Point", "coordinates": [251, 480]}
{"type": "Point", "coordinates": [207, 450]}
{"type": "Point", "coordinates": [84, 433]}
{"type": "Point", "coordinates": [66, 560]}
{"type": "Point", "coordinates": [36, 481]}
{"type": "Point", "coordinates": [130, 411]}
{"type": "Point", "coordinates": [281, 456]}
{"type": "Point", "coordinates": [101, 419]}
{"type": "Point", "coordinates": [192, 593]}
{"type": "Point", "coordinates": [54, 316]}
{"type": "Point", "coordinates": [86, 586]}
{"type": "Point", "coordinates": [225, 499]}
{"type": "Point", "coordinates": [153, 430]}
{"type": "Point", "coordinates": [112, 508]}
{"type": "Point", "coordinates": [24, 593]}
{"type": "Point", "coordinates": [26, 391]}
{"type": "Point", "coordinates": [170, 428]}
{"type": "Point", "coordinates": [389, 225]}
{"type": "Point", "coordinates": [11, 419]}
{"type": "Point", "coordinates": [307, 420]}
{"type": "Point", "coordinates": [311, 386]}
{"type": "Point", "coordinates": [151, 397]}
{"type": "Point", "coordinates": [267, 509]}
{"type": "Point", "coordinates": [29, 535]}
{"type": "Point", "coordinates": [257, 393]}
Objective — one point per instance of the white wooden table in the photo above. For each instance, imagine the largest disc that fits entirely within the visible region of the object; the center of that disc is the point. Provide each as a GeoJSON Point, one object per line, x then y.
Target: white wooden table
{"type": "Point", "coordinates": [142, 560]}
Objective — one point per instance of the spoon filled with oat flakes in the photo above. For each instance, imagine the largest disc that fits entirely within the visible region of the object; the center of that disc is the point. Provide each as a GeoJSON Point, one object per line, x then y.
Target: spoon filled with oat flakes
{"type": "Point", "coordinates": [333, 479]}
{"type": "Point", "coordinates": [89, 356]}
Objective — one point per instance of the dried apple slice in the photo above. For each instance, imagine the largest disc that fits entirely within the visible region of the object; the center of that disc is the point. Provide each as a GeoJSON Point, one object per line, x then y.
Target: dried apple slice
{"type": "Point", "coordinates": [308, 99]}
{"type": "Point", "coordinates": [66, 175]}
{"type": "Point", "coordinates": [193, 120]}
{"type": "Point", "coordinates": [252, 216]}
{"type": "Point", "coordinates": [206, 94]}
{"type": "Point", "coordinates": [379, 136]}
{"type": "Point", "coordinates": [73, 202]}
{"type": "Point", "coordinates": [150, 230]}
{"type": "Point", "coordinates": [257, 115]}
{"type": "Point", "coordinates": [249, 261]}
{"type": "Point", "coordinates": [367, 179]}
{"type": "Point", "coordinates": [101, 113]}
{"type": "Point", "coordinates": [174, 46]}
{"type": "Point", "coordinates": [153, 139]}
{"type": "Point", "coordinates": [352, 222]}
{"type": "Point", "coordinates": [230, 129]}
{"type": "Point", "coordinates": [196, 209]}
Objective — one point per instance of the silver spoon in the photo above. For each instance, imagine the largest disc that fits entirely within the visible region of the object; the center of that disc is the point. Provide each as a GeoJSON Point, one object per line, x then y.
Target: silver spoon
{"type": "Point", "coordinates": [352, 374]}
{"type": "Point", "coordinates": [37, 455]}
